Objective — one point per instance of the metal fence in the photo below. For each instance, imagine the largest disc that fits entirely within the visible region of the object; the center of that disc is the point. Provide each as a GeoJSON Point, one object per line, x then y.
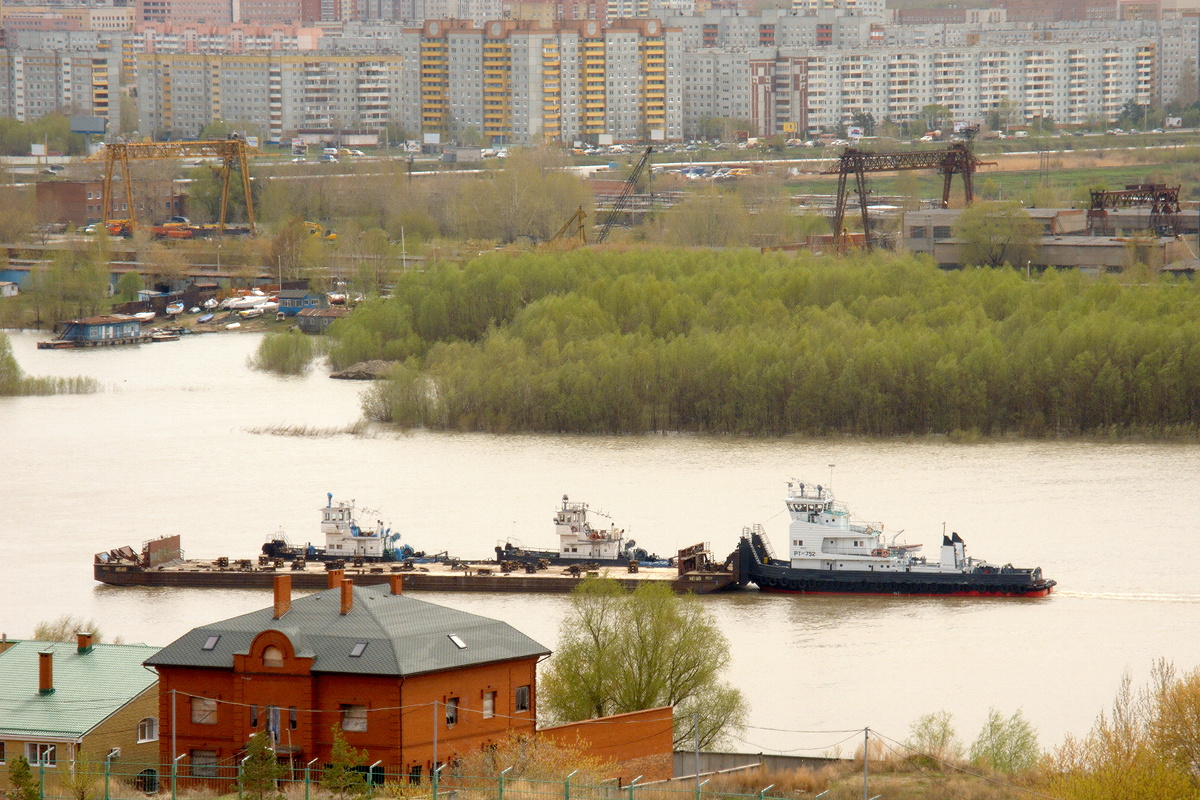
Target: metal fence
{"type": "Point", "coordinates": [110, 780]}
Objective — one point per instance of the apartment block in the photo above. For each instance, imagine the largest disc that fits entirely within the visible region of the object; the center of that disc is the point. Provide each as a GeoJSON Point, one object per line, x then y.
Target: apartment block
{"type": "Point", "coordinates": [34, 83]}
{"type": "Point", "coordinates": [524, 81]}
{"type": "Point", "coordinates": [179, 94]}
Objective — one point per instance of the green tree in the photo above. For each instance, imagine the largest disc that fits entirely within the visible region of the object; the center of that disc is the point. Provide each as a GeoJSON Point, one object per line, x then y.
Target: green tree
{"type": "Point", "coordinates": [995, 233]}
{"type": "Point", "coordinates": [864, 120]}
{"type": "Point", "coordinates": [128, 286]}
{"type": "Point", "coordinates": [288, 353]}
{"type": "Point", "coordinates": [620, 652]}
{"type": "Point", "coordinates": [22, 784]}
{"type": "Point", "coordinates": [343, 776]}
{"type": "Point", "coordinates": [937, 117]}
{"type": "Point", "coordinates": [1006, 745]}
{"type": "Point", "coordinates": [261, 771]}
{"type": "Point", "coordinates": [933, 735]}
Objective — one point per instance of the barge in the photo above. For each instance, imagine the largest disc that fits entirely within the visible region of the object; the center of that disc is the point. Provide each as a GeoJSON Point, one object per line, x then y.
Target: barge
{"type": "Point", "coordinates": [830, 554]}
{"type": "Point", "coordinates": [161, 562]}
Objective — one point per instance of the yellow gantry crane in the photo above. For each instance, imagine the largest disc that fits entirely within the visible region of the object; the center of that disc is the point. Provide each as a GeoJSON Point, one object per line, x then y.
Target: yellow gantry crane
{"type": "Point", "coordinates": [230, 151]}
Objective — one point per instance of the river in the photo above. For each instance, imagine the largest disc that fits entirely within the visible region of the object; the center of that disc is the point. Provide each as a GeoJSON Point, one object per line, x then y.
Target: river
{"type": "Point", "coordinates": [177, 442]}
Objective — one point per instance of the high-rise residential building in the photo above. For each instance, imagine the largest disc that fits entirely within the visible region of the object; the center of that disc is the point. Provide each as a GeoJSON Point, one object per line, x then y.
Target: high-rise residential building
{"type": "Point", "coordinates": [212, 12]}
{"type": "Point", "coordinates": [34, 83]}
{"type": "Point", "coordinates": [523, 81]}
{"type": "Point", "coordinates": [279, 93]}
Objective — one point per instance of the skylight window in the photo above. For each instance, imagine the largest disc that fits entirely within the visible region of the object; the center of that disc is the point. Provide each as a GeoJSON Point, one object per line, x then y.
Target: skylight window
{"type": "Point", "coordinates": [211, 642]}
{"type": "Point", "coordinates": [459, 643]}
{"type": "Point", "coordinates": [358, 649]}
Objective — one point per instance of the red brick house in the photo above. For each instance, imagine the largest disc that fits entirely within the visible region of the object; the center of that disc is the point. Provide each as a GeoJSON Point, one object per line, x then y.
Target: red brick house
{"type": "Point", "coordinates": [409, 682]}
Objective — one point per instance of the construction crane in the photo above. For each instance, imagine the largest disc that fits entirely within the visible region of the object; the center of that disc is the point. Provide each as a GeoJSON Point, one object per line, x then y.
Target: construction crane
{"type": "Point", "coordinates": [627, 190]}
{"type": "Point", "coordinates": [1163, 201]}
{"type": "Point", "coordinates": [580, 233]}
{"type": "Point", "coordinates": [230, 151]}
{"type": "Point", "coordinates": [957, 159]}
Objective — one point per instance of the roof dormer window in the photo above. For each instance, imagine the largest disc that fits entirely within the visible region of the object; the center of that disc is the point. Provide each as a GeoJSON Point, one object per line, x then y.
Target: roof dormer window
{"type": "Point", "coordinates": [458, 642]}
{"type": "Point", "coordinates": [357, 650]}
{"type": "Point", "coordinates": [211, 643]}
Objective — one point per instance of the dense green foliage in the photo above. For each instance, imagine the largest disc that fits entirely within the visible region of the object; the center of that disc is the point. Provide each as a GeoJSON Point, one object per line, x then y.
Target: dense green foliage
{"type": "Point", "coordinates": [13, 381]}
{"type": "Point", "coordinates": [22, 784]}
{"type": "Point", "coordinates": [260, 772]}
{"type": "Point", "coordinates": [1006, 745]}
{"type": "Point", "coordinates": [1147, 746]}
{"type": "Point", "coordinates": [52, 130]}
{"type": "Point", "coordinates": [344, 775]}
{"type": "Point", "coordinates": [621, 651]}
{"type": "Point", "coordinates": [738, 342]}
{"type": "Point", "coordinates": [287, 353]}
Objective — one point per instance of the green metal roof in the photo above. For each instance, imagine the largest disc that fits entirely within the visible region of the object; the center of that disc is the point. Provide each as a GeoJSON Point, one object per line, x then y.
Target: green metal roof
{"type": "Point", "coordinates": [403, 636]}
{"type": "Point", "coordinates": [88, 687]}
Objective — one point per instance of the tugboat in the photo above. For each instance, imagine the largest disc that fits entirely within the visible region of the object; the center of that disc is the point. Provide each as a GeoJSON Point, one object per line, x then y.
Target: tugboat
{"type": "Point", "coordinates": [579, 542]}
{"type": "Point", "coordinates": [345, 539]}
{"type": "Point", "coordinates": [827, 553]}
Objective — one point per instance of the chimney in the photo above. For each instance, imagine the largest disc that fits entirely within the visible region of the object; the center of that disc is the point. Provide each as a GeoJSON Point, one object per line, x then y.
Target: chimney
{"type": "Point", "coordinates": [397, 584]}
{"type": "Point", "coordinates": [347, 595]}
{"type": "Point", "coordinates": [283, 595]}
{"type": "Point", "coordinates": [83, 642]}
{"type": "Point", "coordinates": [334, 576]}
{"type": "Point", "coordinates": [46, 672]}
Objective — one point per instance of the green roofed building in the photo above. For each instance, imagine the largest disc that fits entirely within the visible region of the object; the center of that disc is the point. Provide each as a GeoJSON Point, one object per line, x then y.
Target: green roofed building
{"type": "Point", "coordinates": [63, 701]}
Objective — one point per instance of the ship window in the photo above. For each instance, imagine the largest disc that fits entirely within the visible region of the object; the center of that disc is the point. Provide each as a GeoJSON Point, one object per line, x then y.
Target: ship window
{"type": "Point", "coordinates": [211, 643]}
{"type": "Point", "coordinates": [459, 643]}
{"type": "Point", "coordinates": [358, 649]}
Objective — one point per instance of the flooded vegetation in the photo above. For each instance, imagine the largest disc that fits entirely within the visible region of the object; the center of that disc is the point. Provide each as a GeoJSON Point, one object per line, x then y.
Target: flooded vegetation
{"type": "Point", "coordinates": [14, 382]}
{"type": "Point", "coordinates": [777, 344]}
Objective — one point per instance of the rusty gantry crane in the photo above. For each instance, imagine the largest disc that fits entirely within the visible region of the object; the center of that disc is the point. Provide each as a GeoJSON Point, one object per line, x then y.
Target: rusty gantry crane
{"type": "Point", "coordinates": [1163, 201]}
{"type": "Point", "coordinates": [957, 159]}
{"type": "Point", "coordinates": [230, 151]}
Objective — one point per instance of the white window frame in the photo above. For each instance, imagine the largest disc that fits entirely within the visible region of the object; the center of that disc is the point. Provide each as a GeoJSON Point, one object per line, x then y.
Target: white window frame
{"type": "Point", "coordinates": [451, 712]}
{"type": "Point", "coordinates": [41, 754]}
{"type": "Point", "coordinates": [148, 730]}
{"type": "Point", "coordinates": [489, 705]}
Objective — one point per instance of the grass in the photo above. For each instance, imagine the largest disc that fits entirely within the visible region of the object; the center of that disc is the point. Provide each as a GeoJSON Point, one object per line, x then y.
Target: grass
{"type": "Point", "coordinates": [359, 428]}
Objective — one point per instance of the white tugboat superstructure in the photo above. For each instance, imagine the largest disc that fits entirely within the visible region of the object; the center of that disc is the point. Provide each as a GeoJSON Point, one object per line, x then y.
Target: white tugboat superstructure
{"type": "Point", "coordinates": [828, 552]}
{"type": "Point", "coordinates": [579, 541]}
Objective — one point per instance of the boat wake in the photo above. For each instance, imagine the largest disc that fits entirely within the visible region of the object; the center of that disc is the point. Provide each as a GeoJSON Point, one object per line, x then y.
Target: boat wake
{"type": "Point", "coordinates": [1144, 597]}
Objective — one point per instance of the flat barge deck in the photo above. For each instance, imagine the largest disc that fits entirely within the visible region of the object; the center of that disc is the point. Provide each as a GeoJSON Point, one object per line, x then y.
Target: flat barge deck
{"type": "Point", "coordinates": [160, 564]}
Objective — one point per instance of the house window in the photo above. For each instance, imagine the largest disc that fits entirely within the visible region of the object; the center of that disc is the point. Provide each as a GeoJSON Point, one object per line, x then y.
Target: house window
{"type": "Point", "coordinates": [522, 698]}
{"type": "Point", "coordinates": [148, 730]}
{"type": "Point", "coordinates": [204, 711]}
{"type": "Point", "coordinates": [451, 712]}
{"type": "Point", "coordinates": [2, 759]}
{"type": "Point", "coordinates": [211, 642]}
{"type": "Point", "coordinates": [253, 716]}
{"type": "Point", "coordinates": [917, 232]}
{"type": "Point", "coordinates": [204, 763]}
{"type": "Point", "coordinates": [292, 717]}
{"type": "Point", "coordinates": [272, 656]}
{"type": "Point", "coordinates": [358, 649]}
{"type": "Point", "coordinates": [354, 717]}
{"type": "Point", "coordinates": [942, 232]}
{"type": "Point", "coordinates": [489, 705]}
{"type": "Point", "coordinates": [414, 775]}
{"type": "Point", "coordinates": [41, 754]}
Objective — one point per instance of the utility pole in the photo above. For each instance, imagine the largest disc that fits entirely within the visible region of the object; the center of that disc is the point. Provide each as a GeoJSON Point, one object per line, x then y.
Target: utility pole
{"type": "Point", "coordinates": [696, 738]}
{"type": "Point", "coordinates": [866, 758]}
